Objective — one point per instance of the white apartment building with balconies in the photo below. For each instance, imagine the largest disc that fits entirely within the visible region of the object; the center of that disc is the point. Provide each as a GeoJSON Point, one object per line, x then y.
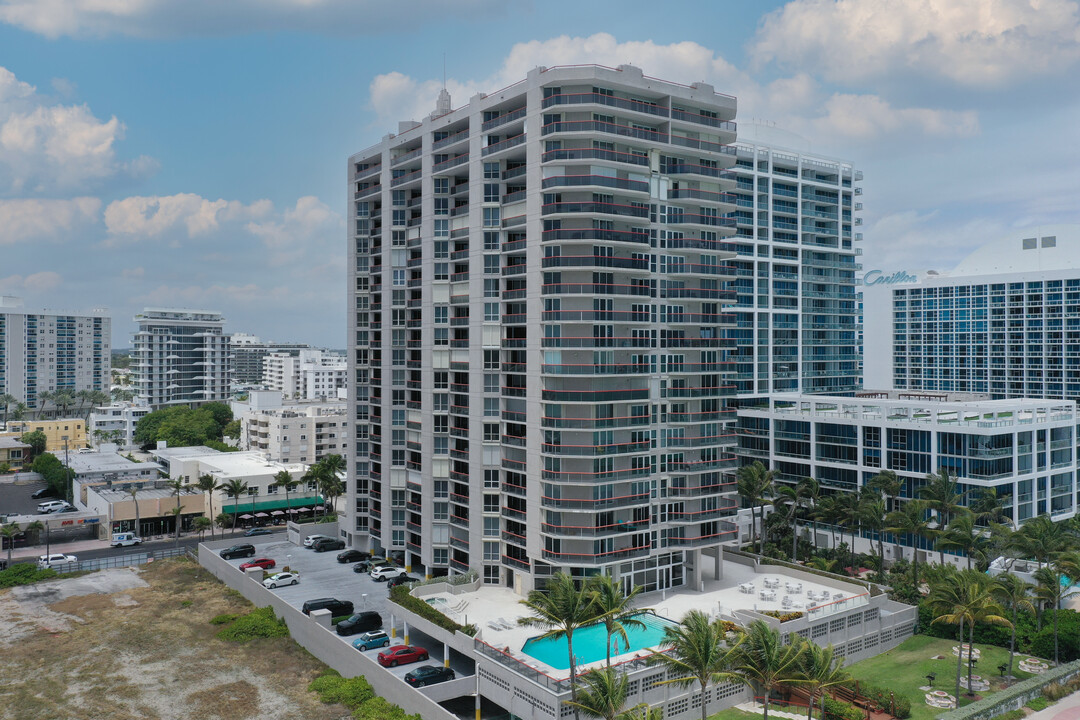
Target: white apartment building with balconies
{"type": "Point", "coordinates": [182, 357]}
{"type": "Point", "coordinates": [306, 374]}
{"type": "Point", "coordinates": [537, 325]}
{"type": "Point", "coordinates": [47, 351]}
{"type": "Point", "coordinates": [292, 432]}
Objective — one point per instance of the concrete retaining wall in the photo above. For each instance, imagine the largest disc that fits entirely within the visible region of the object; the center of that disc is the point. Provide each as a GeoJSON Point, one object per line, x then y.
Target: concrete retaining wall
{"type": "Point", "coordinates": [297, 531]}
{"type": "Point", "coordinates": [322, 642]}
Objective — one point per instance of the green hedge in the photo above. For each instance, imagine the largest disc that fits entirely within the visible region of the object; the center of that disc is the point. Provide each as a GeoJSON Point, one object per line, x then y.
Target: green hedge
{"type": "Point", "coordinates": [400, 595]}
{"type": "Point", "coordinates": [24, 574]}
{"type": "Point", "coordinates": [357, 695]}
{"type": "Point", "coordinates": [884, 698]}
{"type": "Point", "coordinates": [260, 623]}
{"type": "Point", "coordinates": [840, 710]}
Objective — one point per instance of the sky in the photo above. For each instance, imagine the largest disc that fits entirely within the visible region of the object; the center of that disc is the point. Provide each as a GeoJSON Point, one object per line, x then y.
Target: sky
{"type": "Point", "coordinates": [192, 153]}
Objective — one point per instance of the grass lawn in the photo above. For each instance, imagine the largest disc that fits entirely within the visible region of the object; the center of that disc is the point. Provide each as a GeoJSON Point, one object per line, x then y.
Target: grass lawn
{"type": "Point", "coordinates": [904, 669]}
{"type": "Point", "coordinates": [734, 714]}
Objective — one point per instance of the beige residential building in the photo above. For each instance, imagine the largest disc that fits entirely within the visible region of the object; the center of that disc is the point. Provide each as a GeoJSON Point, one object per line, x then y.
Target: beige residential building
{"type": "Point", "coordinates": [66, 432]}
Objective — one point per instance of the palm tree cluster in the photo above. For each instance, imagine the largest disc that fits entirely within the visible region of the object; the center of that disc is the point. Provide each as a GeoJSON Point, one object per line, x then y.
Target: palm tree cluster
{"type": "Point", "coordinates": [697, 652]}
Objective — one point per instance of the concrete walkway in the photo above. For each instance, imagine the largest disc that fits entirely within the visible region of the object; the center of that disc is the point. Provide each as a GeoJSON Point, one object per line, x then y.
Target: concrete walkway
{"type": "Point", "coordinates": [1067, 708]}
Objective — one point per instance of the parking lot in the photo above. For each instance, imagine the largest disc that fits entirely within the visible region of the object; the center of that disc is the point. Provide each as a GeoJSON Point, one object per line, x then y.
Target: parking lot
{"type": "Point", "coordinates": [321, 575]}
{"type": "Point", "coordinates": [15, 497]}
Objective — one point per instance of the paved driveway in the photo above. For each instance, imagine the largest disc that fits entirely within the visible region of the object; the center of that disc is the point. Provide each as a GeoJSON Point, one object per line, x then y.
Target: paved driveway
{"type": "Point", "coordinates": [321, 575]}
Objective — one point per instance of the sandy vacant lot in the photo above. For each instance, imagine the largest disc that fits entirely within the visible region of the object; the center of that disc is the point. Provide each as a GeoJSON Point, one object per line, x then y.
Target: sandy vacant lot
{"type": "Point", "coordinates": [137, 644]}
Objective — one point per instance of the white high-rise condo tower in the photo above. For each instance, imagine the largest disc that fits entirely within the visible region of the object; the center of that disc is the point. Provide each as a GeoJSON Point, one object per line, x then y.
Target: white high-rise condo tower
{"type": "Point", "coordinates": [181, 357]}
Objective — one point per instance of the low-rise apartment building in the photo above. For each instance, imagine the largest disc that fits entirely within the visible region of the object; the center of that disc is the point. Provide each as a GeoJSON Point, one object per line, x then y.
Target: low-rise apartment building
{"type": "Point", "coordinates": [307, 375]}
{"type": "Point", "coordinates": [63, 434]}
{"type": "Point", "coordinates": [292, 432]}
{"type": "Point", "coordinates": [116, 423]}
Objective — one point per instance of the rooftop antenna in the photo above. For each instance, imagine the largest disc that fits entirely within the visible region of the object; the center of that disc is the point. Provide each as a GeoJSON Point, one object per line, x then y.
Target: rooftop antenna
{"type": "Point", "coordinates": [443, 104]}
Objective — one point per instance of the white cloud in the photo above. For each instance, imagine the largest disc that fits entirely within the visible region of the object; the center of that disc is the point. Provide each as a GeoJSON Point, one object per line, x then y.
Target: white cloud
{"type": "Point", "coordinates": [978, 43]}
{"type": "Point", "coordinates": [170, 18]}
{"type": "Point", "coordinates": [45, 147]}
{"type": "Point", "coordinates": [929, 240]}
{"type": "Point", "coordinates": [133, 273]}
{"type": "Point", "coordinates": [37, 282]}
{"type": "Point", "coordinates": [796, 102]}
{"type": "Point", "coordinates": [309, 228]}
{"type": "Point", "coordinates": [27, 220]}
{"type": "Point", "coordinates": [223, 295]}
{"type": "Point", "coordinates": [139, 218]}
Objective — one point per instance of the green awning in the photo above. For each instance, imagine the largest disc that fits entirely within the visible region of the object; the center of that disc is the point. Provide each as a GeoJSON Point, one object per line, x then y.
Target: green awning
{"type": "Point", "coordinates": [268, 505]}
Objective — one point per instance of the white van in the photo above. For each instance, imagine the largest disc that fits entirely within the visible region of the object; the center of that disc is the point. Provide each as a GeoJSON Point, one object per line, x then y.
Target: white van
{"type": "Point", "coordinates": [125, 538]}
{"type": "Point", "coordinates": [51, 506]}
{"type": "Point", "coordinates": [56, 561]}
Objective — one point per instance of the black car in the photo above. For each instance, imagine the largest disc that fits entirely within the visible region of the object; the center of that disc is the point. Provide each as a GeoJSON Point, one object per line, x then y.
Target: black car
{"type": "Point", "coordinates": [336, 607]}
{"type": "Point", "coordinates": [400, 580]}
{"type": "Point", "coordinates": [324, 544]}
{"type": "Point", "coordinates": [44, 492]}
{"type": "Point", "coordinates": [364, 566]}
{"type": "Point", "coordinates": [428, 675]}
{"type": "Point", "coordinates": [238, 551]}
{"type": "Point", "coordinates": [352, 556]}
{"type": "Point", "coordinates": [360, 622]}
{"type": "Point", "coordinates": [258, 531]}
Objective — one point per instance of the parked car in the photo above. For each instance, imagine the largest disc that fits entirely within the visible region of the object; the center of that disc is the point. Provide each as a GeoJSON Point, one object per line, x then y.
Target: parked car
{"type": "Point", "coordinates": [360, 622]}
{"type": "Point", "coordinates": [238, 551]}
{"type": "Point", "coordinates": [324, 544]}
{"type": "Point", "coordinates": [372, 640]}
{"type": "Point", "coordinates": [385, 572]}
{"type": "Point", "coordinates": [402, 655]}
{"type": "Point", "coordinates": [264, 563]}
{"type": "Point", "coordinates": [336, 607]}
{"type": "Point", "coordinates": [258, 531]}
{"type": "Point", "coordinates": [56, 561]}
{"type": "Point", "coordinates": [363, 566]}
{"type": "Point", "coordinates": [44, 492]}
{"type": "Point", "coordinates": [428, 675]}
{"type": "Point", "coordinates": [310, 539]}
{"type": "Point", "coordinates": [281, 579]}
{"type": "Point", "coordinates": [51, 506]}
{"type": "Point", "coordinates": [353, 556]}
{"type": "Point", "coordinates": [400, 580]}
{"type": "Point", "coordinates": [68, 508]}
{"type": "Point", "coordinates": [124, 539]}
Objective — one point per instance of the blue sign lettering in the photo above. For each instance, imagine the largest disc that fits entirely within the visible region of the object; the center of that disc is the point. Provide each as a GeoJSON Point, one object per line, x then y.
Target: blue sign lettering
{"type": "Point", "coordinates": [877, 277]}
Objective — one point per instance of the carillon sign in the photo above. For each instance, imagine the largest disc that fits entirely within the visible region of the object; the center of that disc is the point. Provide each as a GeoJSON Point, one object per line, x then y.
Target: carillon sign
{"type": "Point", "coordinates": [878, 277]}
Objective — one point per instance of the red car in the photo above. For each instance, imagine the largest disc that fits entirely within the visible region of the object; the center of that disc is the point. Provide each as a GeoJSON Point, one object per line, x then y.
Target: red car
{"type": "Point", "coordinates": [402, 654]}
{"type": "Point", "coordinates": [264, 563]}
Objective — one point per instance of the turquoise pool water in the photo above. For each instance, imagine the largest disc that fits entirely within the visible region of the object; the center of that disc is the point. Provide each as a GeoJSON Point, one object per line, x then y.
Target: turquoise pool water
{"type": "Point", "coordinates": [589, 643]}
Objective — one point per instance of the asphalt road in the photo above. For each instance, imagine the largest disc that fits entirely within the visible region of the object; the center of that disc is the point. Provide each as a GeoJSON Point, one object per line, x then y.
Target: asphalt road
{"type": "Point", "coordinates": [321, 575]}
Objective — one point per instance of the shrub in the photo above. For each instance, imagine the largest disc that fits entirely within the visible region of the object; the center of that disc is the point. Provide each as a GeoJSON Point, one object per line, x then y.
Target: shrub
{"type": "Point", "coordinates": [24, 574]}
{"type": "Point", "coordinates": [840, 710]}
{"type": "Point", "coordinates": [1040, 703]}
{"type": "Point", "coordinates": [884, 698]}
{"type": "Point", "coordinates": [223, 619]}
{"type": "Point", "coordinates": [1011, 715]}
{"type": "Point", "coordinates": [351, 693]}
{"type": "Point", "coordinates": [186, 603]}
{"type": "Point", "coordinates": [1068, 639]}
{"type": "Point", "coordinates": [260, 623]}
{"type": "Point", "coordinates": [379, 709]}
{"type": "Point", "coordinates": [1054, 692]}
{"type": "Point", "coordinates": [783, 616]}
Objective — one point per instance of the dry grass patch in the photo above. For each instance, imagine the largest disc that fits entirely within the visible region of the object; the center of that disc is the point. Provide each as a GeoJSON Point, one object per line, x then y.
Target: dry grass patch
{"type": "Point", "coordinates": [150, 653]}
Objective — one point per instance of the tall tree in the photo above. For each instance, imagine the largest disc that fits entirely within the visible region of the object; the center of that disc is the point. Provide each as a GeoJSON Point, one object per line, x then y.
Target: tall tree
{"type": "Point", "coordinates": [1041, 539]}
{"type": "Point", "coordinates": [989, 509]}
{"type": "Point", "coordinates": [560, 609]}
{"type": "Point", "coordinates": [810, 489]}
{"type": "Point", "coordinates": [951, 604]}
{"type": "Point", "coordinates": [284, 479]}
{"type": "Point", "coordinates": [889, 485]}
{"type": "Point", "coordinates": [942, 494]}
{"type": "Point", "coordinates": [133, 491]}
{"type": "Point", "coordinates": [9, 531]}
{"type": "Point", "coordinates": [822, 669]}
{"type": "Point", "coordinates": [790, 498]}
{"type": "Point", "coordinates": [207, 485]}
{"type": "Point", "coordinates": [755, 485]}
{"type": "Point", "coordinates": [873, 518]}
{"type": "Point", "coordinates": [962, 534]}
{"type": "Point", "coordinates": [614, 608]}
{"type": "Point", "coordinates": [7, 400]}
{"type": "Point", "coordinates": [851, 509]}
{"type": "Point", "coordinates": [234, 489]}
{"type": "Point", "coordinates": [1013, 594]}
{"type": "Point", "coordinates": [964, 598]}
{"type": "Point", "coordinates": [910, 519]}
{"type": "Point", "coordinates": [37, 440]}
{"type": "Point", "coordinates": [695, 652]}
{"type": "Point", "coordinates": [178, 486]}
{"type": "Point", "coordinates": [766, 662]}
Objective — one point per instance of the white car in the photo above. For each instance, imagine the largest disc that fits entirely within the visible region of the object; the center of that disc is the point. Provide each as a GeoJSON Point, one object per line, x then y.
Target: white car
{"type": "Point", "coordinates": [385, 572]}
{"type": "Point", "coordinates": [310, 539]}
{"type": "Point", "coordinates": [55, 561]}
{"type": "Point", "coordinates": [51, 506]}
{"type": "Point", "coordinates": [281, 579]}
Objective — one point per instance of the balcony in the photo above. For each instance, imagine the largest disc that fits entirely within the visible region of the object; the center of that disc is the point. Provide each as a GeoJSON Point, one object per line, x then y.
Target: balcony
{"type": "Point", "coordinates": [597, 558]}
{"type": "Point", "coordinates": [504, 145]}
{"type": "Point", "coordinates": [559, 208]}
{"type": "Point", "coordinates": [595, 154]}
{"type": "Point", "coordinates": [563, 181]}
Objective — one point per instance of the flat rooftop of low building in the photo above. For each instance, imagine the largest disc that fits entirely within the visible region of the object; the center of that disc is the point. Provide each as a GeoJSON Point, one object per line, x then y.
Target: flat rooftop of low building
{"type": "Point", "coordinates": [113, 495]}
{"type": "Point", "coordinates": [83, 463]}
{"type": "Point", "coordinates": [740, 592]}
{"type": "Point", "coordinates": [9, 442]}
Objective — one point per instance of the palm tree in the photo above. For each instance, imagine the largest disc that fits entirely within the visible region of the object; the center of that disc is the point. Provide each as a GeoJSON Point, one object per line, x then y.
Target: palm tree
{"type": "Point", "coordinates": [8, 532]}
{"type": "Point", "coordinates": [331, 487]}
{"type": "Point", "coordinates": [755, 485]}
{"type": "Point", "coordinates": [910, 519]}
{"type": "Point", "coordinates": [873, 517]}
{"type": "Point", "coordinates": [811, 492]}
{"type": "Point", "coordinates": [33, 530]}
{"type": "Point", "coordinates": [941, 493]}
{"type": "Point", "coordinates": [559, 610]}
{"type": "Point", "coordinates": [133, 491]}
{"type": "Point", "coordinates": [1012, 592]}
{"type": "Point", "coordinates": [889, 485]}
{"type": "Point", "coordinates": [234, 488]}
{"type": "Point", "coordinates": [285, 479]}
{"type": "Point", "coordinates": [965, 597]}
{"type": "Point", "coordinates": [1048, 591]}
{"type": "Point", "coordinates": [768, 663]}
{"type": "Point", "coordinates": [614, 608]}
{"type": "Point", "coordinates": [989, 509]}
{"type": "Point", "coordinates": [6, 400]}
{"type": "Point", "coordinates": [791, 497]}
{"type": "Point", "coordinates": [178, 486]}
{"type": "Point", "coordinates": [20, 411]}
{"type": "Point", "coordinates": [201, 524]}
{"type": "Point", "coordinates": [963, 535]}
{"type": "Point", "coordinates": [334, 464]}
{"type": "Point", "coordinates": [1041, 538]}
{"type": "Point", "coordinates": [985, 609]}
{"type": "Point", "coordinates": [821, 669]}
{"type": "Point", "coordinates": [851, 510]}
{"type": "Point", "coordinates": [695, 651]}
{"type": "Point", "coordinates": [207, 485]}
{"type": "Point", "coordinates": [176, 512]}
{"type": "Point", "coordinates": [604, 696]}
{"type": "Point", "coordinates": [951, 603]}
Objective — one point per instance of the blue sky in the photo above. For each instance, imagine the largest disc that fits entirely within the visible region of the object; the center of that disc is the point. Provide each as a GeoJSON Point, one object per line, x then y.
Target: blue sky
{"type": "Point", "coordinates": [192, 152]}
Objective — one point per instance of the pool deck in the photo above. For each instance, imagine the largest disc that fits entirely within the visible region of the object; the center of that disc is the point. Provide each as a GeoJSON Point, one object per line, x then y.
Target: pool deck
{"type": "Point", "coordinates": [495, 610]}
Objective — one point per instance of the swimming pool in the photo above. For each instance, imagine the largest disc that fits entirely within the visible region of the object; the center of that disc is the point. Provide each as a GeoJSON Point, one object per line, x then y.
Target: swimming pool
{"type": "Point", "coordinates": [589, 642]}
